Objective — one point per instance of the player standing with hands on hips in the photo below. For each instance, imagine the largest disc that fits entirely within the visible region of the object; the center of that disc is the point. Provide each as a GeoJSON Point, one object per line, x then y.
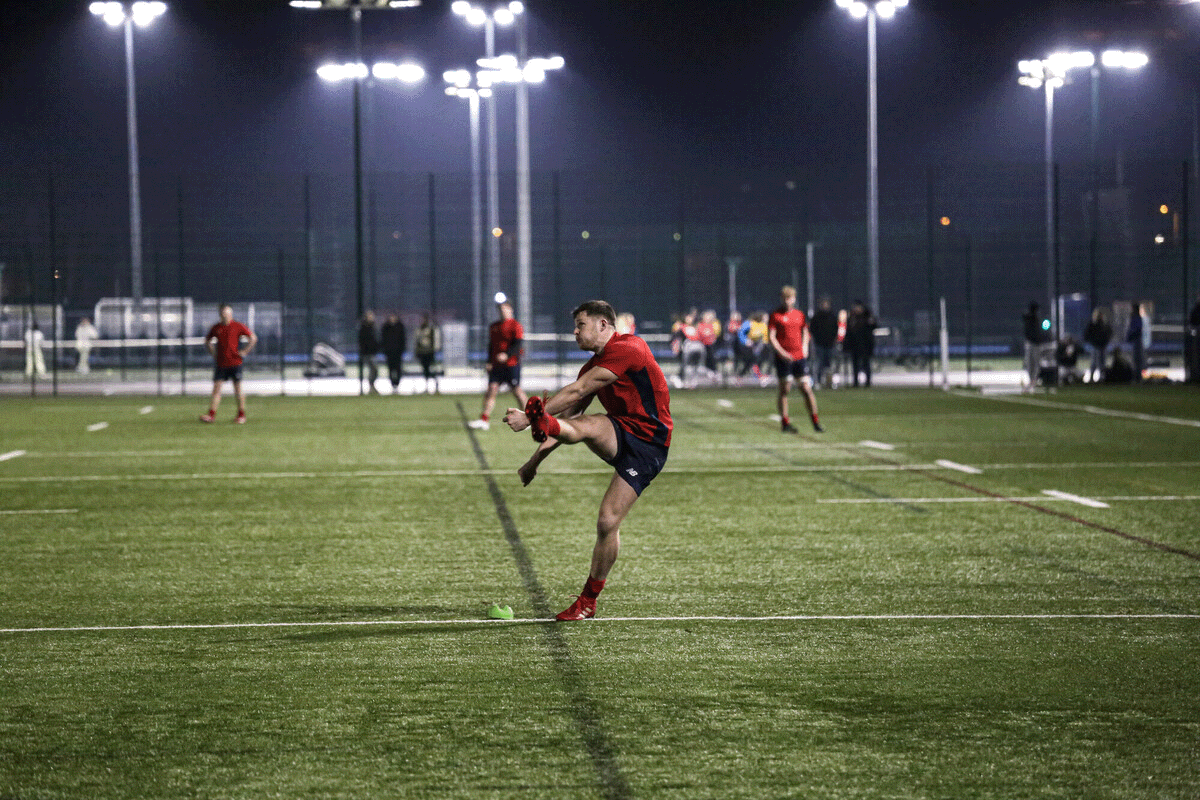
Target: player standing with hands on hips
{"type": "Point", "coordinates": [787, 330]}
{"type": "Point", "coordinates": [224, 341]}
{"type": "Point", "coordinates": [633, 434]}
{"type": "Point", "coordinates": [505, 340]}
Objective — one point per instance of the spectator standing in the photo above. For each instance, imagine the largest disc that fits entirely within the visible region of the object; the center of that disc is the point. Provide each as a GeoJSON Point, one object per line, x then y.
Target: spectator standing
{"type": "Point", "coordinates": [1137, 336]}
{"type": "Point", "coordinates": [426, 345]}
{"type": "Point", "coordinates": [709, 329]}
{"type": "Point", "coordinates": [224, 342]}
{"type": "Point", "coordinates": [395, 343]}
{"type": "Point", "coordinates": [85, 335]}
{"type": "Point", "coordinates": [35, 359]}
{"type": "Point", "coordinates": [368, 348]}
{"type": "Point", "coordinates": [1098, 334]}
{"type": "Point", "coordinates": [824, 329]}
{"type": "Point", "coordinates": [860, 340]}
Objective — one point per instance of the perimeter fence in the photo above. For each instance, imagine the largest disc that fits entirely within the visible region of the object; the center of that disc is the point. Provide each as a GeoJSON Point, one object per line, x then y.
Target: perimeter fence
{"type": "Point", "coordinates": [655, 245]}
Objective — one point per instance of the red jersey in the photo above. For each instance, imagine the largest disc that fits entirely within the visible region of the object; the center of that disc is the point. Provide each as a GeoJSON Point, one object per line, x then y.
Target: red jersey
{"type": "Point", "coordinates": [503, 334]}
{"type": "Point", "coordinates": [638, 399]}
{"type": "Point", "coordinates": [789, 327]}
{"type": "Point", "coordinates": [227, 337]}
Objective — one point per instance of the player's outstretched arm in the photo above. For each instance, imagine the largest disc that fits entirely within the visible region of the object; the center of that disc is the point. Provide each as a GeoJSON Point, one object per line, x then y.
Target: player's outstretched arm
{"type": "Point", "coordinates": [516, 419]}
{"type": "Point", "coordinates": [573, 398]}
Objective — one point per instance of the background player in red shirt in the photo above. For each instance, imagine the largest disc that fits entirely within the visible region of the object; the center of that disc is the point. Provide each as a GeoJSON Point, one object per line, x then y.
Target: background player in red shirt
{"type": "Point", "coordinates": [224, 342]}
{"type": "Point", "coordinates": [787, 330]}
{"type": "Point", "coordinates": [632, 435]}
{"type": "Point", "coordinates": [505, 338]}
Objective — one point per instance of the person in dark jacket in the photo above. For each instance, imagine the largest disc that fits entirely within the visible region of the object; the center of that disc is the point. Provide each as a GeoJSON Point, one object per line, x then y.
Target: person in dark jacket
{"type": "Point", "coordinates": [823, 327]}
{"type": "Point", "coordinates": [368, 349]}
{"type": "Point", "coordinates": [395, 342]}
{"type": "Point", "coordinates": [1136, 336]}
{"type": "Point", "coordinates": [860, 341]}
{"type": "Point", "coordinates": [1098, 334]}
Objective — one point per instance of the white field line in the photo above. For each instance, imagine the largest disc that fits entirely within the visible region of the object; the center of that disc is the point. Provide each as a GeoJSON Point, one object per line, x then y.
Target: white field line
{"type": "Point", "coordinates": [11, 454]}
{"type": "Point", "coordinates": [943, 462]}
{"type": "Point", "coordinates": [97, 426]}
{"type": "Point", "coordinates": [41, 511]}
{"type": "Point", "coordinates": [441, 473]}
{"type": "Point", "coordinates": [1074, 498]}
{"type": "Point", "coordinates": [1100, 502]}
{"type": "Point", "coordinates": [108, 454]}
{"type": "Point", "coordinates": [696, 618]}
{"type": "Point", "coordinates": [437, 473]}
{"type": "Point", "coordinates": [146, 410]}
{"type": "Point", "coordinates": [876, 445]}
{"type": "Point", "coordinates": [1106, 412]}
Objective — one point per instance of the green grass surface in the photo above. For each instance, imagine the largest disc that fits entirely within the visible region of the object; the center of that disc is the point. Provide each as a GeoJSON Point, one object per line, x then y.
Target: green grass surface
{"type": "Point", "coordinates": [791, 616]}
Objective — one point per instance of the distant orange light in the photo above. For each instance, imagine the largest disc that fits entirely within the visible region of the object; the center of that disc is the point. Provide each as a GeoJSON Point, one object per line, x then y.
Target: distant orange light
{"type": "Point", "coordinates": [1163, 209]}
{"type": "Point", "coordinates": [945, 221]}
{"type": "Point", "coordinates": [497, 232]}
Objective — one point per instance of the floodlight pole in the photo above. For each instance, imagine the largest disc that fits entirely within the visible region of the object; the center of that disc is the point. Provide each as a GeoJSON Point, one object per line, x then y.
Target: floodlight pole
{"type": "Point", "coordinates": [127, 15]}
{"type": "Point", "coordinates": [493, 168]}
{"type": "Point", "coordinates": [872, 10]}
{"type": "Point", "coordinates": [355, 8]}
{"type": "Point", "coordinates": [356, 94]}
{"type": "Point", "coordinates": [1051, 233]}
{"type": "Point", "coordinates": [135, 192]}
{"type": "Point", "coordinates": [872, 167]}
{"type": "Point", "coordinates": [524, 211]}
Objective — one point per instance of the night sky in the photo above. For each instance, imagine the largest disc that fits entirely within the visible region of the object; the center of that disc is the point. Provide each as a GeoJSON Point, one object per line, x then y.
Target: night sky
{"type": "Point", "coordinates": [754, 85]}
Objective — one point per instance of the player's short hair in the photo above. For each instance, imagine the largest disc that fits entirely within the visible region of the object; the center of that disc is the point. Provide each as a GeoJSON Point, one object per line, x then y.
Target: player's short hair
{"type": "Point", "coordinates": [596, 308]}
{"type": "Point", "coordinates": [788, 291]}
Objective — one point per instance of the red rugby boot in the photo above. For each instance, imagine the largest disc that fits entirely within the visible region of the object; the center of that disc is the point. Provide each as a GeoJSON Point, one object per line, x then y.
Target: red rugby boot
{"type": "Point", "coordinates": [582, 608]}
{"type": "Point", "coordinates": [535, 409]}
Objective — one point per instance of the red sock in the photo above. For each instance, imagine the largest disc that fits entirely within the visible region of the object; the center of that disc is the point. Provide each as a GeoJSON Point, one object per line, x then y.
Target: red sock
{"type": "Point", "coordinates": [815, 422]}
{"type": "Point", "coordinates": [786, 421]}
{"type": "Point", "coordinates": [553, 429]}
{"type": "Point", "coordinates": [592, 588]}
{"type": "Point", "coordinates": [483, 417]}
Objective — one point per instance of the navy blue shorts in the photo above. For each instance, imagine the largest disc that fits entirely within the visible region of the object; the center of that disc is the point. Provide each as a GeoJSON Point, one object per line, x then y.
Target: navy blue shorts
{"type": "Point", "coordinates": [503, 373]}
{"type": "Point", "coordinates": [228, 373]}
{"type": "Point", "coordinates": [637, 461]}
{"type": "Point", "coordinates": [791, 369]}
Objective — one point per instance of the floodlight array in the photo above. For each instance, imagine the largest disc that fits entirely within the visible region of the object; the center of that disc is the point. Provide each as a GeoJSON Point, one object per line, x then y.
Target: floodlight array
{"type": "Point", "coordinates": [142, 12]}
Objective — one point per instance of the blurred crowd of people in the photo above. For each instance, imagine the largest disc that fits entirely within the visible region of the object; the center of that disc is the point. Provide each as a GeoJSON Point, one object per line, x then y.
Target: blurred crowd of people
{"type": "Point", "coordinates": [840, 346]}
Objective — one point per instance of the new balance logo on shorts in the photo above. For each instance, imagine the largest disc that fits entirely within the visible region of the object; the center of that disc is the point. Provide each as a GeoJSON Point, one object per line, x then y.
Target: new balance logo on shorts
{"type": "Point", "coordinates": [632, 473]}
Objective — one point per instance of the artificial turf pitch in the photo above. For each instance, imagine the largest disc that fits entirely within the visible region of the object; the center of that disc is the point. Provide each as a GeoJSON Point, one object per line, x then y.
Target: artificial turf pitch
{"type": "Point", "coordinates": [895, 608]}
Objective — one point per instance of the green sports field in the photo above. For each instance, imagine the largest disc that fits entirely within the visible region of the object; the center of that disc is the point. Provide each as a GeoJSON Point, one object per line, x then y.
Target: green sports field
{"type": "Point", "coordinates": [947, 595]}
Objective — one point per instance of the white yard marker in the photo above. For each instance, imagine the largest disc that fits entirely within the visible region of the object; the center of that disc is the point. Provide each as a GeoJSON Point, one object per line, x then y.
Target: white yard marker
{"type": "Point", "coordinates": [723, 403]}
{"type": "Point", "coordinates": [1074, 498]}
{"type": "Point", "coordinates": [942, 462]}
{"type": "Point", "coordinates": [42, 511]}
{"type": "Point", "coordinates": [145, 409]}
{"type": "Point", "coordinates": [876, 445]}
{"type": "Point", "coordinates": [97, 426]}
{"type": "Point", "coordinates": [11, 454]}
